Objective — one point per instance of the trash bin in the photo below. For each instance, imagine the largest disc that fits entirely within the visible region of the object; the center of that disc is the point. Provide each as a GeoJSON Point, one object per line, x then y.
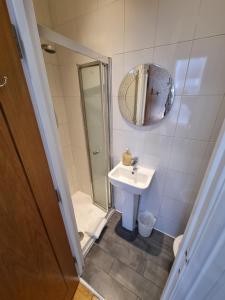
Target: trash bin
{"type": "Point", "coordinates": [146, 222]}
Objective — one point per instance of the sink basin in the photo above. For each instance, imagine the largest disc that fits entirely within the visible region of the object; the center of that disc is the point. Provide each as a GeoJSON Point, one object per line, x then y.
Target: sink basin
{"type": "Point", "coordinates": [134, 182]}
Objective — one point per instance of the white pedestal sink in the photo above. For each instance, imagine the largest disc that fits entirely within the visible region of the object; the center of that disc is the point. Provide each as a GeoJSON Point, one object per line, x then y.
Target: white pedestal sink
{"type": "Point", "coordinates": [132, 183]}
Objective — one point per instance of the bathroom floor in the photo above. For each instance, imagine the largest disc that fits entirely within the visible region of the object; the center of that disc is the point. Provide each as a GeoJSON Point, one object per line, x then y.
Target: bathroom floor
{"type": "Point", "coordinates": [123, 265]}
{"type": "Point", "coordinates": [88, 216]}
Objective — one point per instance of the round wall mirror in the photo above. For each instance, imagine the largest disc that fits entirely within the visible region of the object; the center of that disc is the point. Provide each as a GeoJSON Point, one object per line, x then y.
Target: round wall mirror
{"type": "Point", "coordinates": [146, 94]}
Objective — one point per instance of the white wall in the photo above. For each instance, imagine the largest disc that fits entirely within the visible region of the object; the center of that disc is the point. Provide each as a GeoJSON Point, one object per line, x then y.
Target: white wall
{"type": "Point", "coordinates": [187, 38]}
{"type": "Point", "coordinates": [68, 61]}
{"type": "Point", "coordinates": [52, 67]}
{"type": "Point", "coordinates": [64, 86]}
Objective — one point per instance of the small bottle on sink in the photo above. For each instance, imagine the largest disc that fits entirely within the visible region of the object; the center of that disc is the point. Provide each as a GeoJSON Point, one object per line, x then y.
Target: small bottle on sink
{"type": "Point", "coordinates": [127, 158]}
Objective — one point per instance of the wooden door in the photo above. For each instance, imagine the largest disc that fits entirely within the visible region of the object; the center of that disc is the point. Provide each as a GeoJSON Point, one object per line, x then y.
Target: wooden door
{"type": "Point", "coordinates": [35, 257]}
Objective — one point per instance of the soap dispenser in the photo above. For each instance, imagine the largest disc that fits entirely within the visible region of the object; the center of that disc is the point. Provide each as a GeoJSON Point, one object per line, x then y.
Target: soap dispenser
{"type": "Point", "coordinates": [127, 158]}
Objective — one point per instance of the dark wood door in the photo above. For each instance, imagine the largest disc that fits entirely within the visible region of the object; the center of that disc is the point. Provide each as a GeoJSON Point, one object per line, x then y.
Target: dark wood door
{"type": "Point", "coordinates": [35, 257]}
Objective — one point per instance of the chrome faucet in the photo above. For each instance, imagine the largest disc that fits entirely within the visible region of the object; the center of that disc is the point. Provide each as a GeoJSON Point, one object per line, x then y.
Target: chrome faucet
{"type": "Point", "coordinates": [134, 162]}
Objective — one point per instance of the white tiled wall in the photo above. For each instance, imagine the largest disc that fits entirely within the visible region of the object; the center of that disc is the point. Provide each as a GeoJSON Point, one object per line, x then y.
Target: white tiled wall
{"type": "Point", "coordinates": [63, 81]}
{"type": "Point", "coordinates": [68, 61]}
{"type": "Point", "coordinates": [187, 38]}
{"type": "Point", "coordinates": [176, 21]}
{"type": "Point", "coordinates": [140, 19]}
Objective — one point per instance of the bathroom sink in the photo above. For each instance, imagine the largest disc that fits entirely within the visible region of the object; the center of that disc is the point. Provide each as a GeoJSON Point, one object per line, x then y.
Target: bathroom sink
{"type": "Point", "coordinates": [132, 181]}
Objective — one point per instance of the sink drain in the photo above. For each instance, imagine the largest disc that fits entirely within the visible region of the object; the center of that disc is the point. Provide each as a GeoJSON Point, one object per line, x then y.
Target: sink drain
{"type": "Point", "coordinates": [81, 235]}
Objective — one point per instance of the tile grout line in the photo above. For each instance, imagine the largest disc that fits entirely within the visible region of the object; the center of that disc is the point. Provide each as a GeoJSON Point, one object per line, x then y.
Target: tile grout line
{"type": "Point", "coordinates": [156, 29]}
{"type": "Point", "coordinates": [216, 119]}
{"type": "Point", "coordinates": [108, 254]}
{"type": "Point", "coordinates": [169, 44]}
{"type": "Point", "coordinates": [114, 279]}
{"type": "Point", "coordinates": [122, 283]}
{"type": "Point", "coordinates": [150, 281]}
{"type": "Point", "coordinates": [145, 131]}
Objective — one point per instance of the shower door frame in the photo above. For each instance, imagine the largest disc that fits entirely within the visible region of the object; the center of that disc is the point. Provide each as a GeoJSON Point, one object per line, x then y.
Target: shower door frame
{"type": "Point", "coordinates": [106, 125]}
{"type": "Point", "coordinates": [63, 41]}
{"type": "Point", "coordinates": [67, 43]}
{"type": "Point", "coordinates": [70, 44]}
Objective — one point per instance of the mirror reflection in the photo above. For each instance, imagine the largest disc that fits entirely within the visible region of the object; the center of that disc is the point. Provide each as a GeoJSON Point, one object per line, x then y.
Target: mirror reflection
{"type": "Point", "coordinates": [146, 94]}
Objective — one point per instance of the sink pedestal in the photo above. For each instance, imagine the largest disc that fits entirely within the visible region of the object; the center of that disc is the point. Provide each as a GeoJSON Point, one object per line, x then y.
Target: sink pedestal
{"type": "Point", "coordinates": [131, 183]}
{"type": "Point", "coordinates": [130, 210]}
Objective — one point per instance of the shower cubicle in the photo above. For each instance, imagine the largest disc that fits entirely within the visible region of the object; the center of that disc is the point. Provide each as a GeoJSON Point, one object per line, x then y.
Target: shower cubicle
{"type": "Point", "coordinates": [94, 87]}
{"type": "Point", "coordinates": [79, 83]}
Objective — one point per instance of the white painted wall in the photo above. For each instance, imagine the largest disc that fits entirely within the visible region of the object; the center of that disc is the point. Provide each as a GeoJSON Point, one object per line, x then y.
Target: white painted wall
{"type": "Point", "coordinates": [187, 38]}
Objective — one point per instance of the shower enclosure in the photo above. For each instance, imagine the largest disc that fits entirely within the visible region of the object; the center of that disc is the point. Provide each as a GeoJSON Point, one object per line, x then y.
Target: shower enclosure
{"type": "Point", "coordinates": [94, 87]}
{"type": "Point", "coordinates": [78, 80]}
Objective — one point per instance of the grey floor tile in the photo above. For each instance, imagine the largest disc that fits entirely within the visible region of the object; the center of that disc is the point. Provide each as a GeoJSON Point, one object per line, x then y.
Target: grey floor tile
{"type": "Point", "coordinates": [154, 247]}
{"type": "Point", "coordinates": [125, 252]}
{"type": "Point", "coordinates": [100, 258]}
{"type": "Point", "coordinates": [123, 266]}
{"type": "Point", "coordinates": [162, 240]}
{"type": "Point", "coordinates": [115, 218]}
{"type": "Point", "coordinates": [157, 238]}
{"type": "Point", "coordinates": [136, 283]}
{"type": "Point", "coordinates": [112, 223]}
{"type": "Point", "coordinates": [156, 274]}
{"type": "Point", "coordinates": [105, 285]}
{"type": "Point", "coordinates": [133, 252]}
{"type": "Point", "coordinates": [160, 258]}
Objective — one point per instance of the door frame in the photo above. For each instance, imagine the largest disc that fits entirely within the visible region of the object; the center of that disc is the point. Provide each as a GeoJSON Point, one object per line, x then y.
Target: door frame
{"type": "Point", "coordinates": [70, 44]}
{"type": "Point", "coordinates": [105, 115]}
{"type": "Point", "coordinates": [23, 17]}
{"type": "Point", "coordinates": [206, 203]}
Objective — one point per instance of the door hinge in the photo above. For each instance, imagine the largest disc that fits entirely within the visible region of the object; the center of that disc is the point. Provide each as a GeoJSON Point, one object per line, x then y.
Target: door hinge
{"type": "Point", "coordinates": [19, 42]}
{"type": "Point", "coordinates": [74, 259]}
{"type": "Point", "coordinates": [58, 195]}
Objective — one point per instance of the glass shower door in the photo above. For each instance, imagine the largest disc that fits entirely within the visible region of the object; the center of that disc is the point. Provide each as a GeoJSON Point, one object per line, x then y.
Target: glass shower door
{"type": "Point", "coordinates": [93, 86]}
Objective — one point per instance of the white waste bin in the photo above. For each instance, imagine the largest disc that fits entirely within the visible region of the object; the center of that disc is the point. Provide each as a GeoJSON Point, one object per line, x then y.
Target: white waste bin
{"type": "Point", "coordinates": [146, 222]}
